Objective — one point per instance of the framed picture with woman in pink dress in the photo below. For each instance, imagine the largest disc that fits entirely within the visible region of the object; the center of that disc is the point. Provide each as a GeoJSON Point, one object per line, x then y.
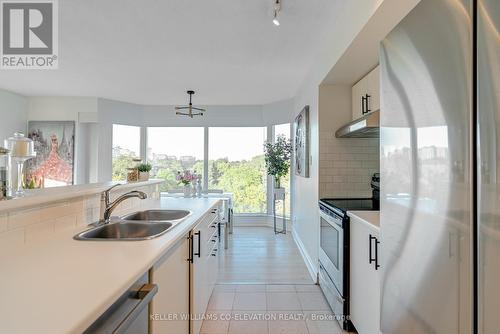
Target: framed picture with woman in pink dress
{"type": "Point", "coordinates": [55, 153]}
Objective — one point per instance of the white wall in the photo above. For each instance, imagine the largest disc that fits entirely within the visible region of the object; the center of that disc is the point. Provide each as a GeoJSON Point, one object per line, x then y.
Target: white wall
{"type": "Point", "coordinates": [279, 112]}
{"type": "Point", "coordinates": [79, 110]}
{"type": "Point", "coordinates": [13, 114]}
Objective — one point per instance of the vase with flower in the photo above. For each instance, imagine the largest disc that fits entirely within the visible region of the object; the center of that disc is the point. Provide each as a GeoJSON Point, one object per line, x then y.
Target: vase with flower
{"type": "Point", "coordinates": [186, 178]}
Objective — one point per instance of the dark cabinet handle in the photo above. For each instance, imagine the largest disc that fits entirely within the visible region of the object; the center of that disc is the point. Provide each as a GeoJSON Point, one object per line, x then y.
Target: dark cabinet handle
{"type": "Point", "coordinates": [363, 105]}
{"type": "Point", "coordinates": [373, 259]}
{"type": "Point", "coordinates": [370, 253]}
{"type": "Point", "coordinates": [191, 250]}
{"type": "Point", "coordinates": [367, 107]}
{"type": "Point", "coordinates": [199, 244]}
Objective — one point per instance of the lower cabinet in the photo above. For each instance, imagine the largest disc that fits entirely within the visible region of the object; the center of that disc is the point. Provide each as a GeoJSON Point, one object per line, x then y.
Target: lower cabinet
{"type": "Point", "coordinates": [170, 307]}
{"type": "Point", "coordinates": [364, 277]}
{"type": "Point", "coordinates": [204, 267]}
{"type": "Point", "coordinates": [186, 277]}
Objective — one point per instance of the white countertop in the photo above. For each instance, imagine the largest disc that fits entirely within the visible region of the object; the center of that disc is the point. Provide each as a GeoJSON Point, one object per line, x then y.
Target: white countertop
{"type": "Point", "coordinates": [371, 218]}
{"type": "Point", "coordinates": [62, 285]}
{"type": "Point", "coordinates": [48, 195]}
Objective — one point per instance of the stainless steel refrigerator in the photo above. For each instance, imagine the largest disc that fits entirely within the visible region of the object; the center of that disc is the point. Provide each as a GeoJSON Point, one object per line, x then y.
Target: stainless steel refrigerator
{"type": "Point", "coordinates": [440, 157]}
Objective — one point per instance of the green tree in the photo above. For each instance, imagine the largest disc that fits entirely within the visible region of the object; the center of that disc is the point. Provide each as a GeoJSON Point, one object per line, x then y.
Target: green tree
{"type": "Point", "coordinates": [120, 165]}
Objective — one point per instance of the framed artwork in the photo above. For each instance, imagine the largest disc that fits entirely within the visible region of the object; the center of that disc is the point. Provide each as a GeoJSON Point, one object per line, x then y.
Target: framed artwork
{"type": "Point", "coordinates": [54, 143]}
{"type": "Point", "coordinates": [301, 147]}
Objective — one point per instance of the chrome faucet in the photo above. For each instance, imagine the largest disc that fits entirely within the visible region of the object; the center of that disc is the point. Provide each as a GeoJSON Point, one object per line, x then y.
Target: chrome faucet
{"type": "Point", "coordinates": [107, 206]}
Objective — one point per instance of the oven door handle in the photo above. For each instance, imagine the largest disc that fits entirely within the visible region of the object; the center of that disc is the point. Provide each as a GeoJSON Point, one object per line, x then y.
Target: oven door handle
{"type": "Point", "coordinates": [330, 221]}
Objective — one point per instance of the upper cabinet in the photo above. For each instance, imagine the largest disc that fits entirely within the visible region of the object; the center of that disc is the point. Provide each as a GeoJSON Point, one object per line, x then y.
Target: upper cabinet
{"type": "Point", "coordinates": [366, 94]}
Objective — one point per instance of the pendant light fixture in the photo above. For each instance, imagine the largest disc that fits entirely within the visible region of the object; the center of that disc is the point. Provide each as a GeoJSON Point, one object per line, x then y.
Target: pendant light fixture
{"type": "Point", "coordinates": [277, 8]}
{"type": "Point", "coordinates": [190, 108]}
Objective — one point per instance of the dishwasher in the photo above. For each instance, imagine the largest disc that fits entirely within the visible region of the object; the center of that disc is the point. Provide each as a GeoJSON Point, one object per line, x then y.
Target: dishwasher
{"type": "Point", "coordinates": [130, 313]}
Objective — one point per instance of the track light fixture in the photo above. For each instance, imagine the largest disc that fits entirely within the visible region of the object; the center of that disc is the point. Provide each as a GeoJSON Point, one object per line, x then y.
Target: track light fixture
{"type": "Point", "coordinates": [277, 8]}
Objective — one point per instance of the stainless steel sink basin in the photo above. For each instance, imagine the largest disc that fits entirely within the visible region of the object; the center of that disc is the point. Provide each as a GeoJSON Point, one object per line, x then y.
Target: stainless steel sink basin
{"type": "Point", "coordinates": [126, 231]}
{"type": "Point", "coordinates": [157, 215]}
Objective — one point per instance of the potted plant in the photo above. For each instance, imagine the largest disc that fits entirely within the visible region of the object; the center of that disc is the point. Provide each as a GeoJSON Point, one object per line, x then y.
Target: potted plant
{"type": "Point", "coordinates": [277, 157]}
{"type": "Point", "coordinates": [144, 170]}
{"type": "Point", "coordinates": [186, 178]}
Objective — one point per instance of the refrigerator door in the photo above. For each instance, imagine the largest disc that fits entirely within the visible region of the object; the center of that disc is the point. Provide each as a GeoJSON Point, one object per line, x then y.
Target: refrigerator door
{"type": "Point", "coordinates": [488, 72]}
{"type": "Point", "coordinates": [426, 73]}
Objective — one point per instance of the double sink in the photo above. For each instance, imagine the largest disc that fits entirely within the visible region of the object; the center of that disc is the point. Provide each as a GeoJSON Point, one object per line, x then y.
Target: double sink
{"type": "Point", "coordinates": [142, 225]}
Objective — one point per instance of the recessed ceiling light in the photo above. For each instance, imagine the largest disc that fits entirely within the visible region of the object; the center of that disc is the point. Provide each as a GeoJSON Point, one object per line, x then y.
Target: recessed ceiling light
{"type": "Point", "coordinates": [277, 8]}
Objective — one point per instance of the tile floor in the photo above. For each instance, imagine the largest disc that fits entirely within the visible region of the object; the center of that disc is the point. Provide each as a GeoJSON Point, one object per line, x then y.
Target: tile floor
{"type": "Point", "coordinates": [257, 255]}
{"type": "Point", "coordinates": [265, 288]}
{"type": "Point", "coordinates": [269, 309]}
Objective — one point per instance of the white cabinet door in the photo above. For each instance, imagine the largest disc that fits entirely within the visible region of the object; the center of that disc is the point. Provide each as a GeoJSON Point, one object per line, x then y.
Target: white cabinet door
{"type": "Point", "coordinates": [366, 94]}
{"type": "Point", "coordinates": [373, 89]}
{"type": "Point", "coordinates": [170, 307]}
{"type": "Point", "coordinates": [358, 91]}
{"type": "Point", "coordinates": [204, 268]}
{"type": "Point", "coordinates": [364, 279]}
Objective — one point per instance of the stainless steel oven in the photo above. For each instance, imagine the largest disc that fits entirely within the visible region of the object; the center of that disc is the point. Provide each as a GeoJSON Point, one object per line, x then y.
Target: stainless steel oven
{"type": "Point", "coordinates": [334, 264]}
{"type": "Point", "coordinates": [332, 247]}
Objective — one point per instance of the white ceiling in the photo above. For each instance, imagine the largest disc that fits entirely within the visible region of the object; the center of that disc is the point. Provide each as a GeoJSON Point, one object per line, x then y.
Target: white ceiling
{"type": "Point", "coordinates": [151, 52]}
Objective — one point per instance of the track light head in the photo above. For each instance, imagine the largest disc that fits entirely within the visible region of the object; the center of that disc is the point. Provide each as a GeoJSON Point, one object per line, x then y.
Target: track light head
{"type": "Point", "coordinates": [277, 8]}
{"type": "Point", "coordinates": [275, 19]}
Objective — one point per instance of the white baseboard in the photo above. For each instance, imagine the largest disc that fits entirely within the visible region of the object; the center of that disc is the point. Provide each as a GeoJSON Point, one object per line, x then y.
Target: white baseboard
{"type": "Point", "coordinates": [311, 267]}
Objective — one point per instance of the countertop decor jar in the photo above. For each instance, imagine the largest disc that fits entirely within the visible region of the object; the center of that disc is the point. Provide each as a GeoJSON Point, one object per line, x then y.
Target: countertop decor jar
{"type": "Point", "coordinates": [132, 174]}
{"type": "Point", "coordinates": [21, 149]}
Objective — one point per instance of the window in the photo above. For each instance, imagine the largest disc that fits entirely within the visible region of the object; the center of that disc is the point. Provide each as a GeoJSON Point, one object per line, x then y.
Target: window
{"type": "Point", "coordinates": [173, 149]}
{"type": "Point", "coordinates": [126, 147]}
{"type": "Point", "coordinates": [236, 164]}
{"type": "Point", "coordinates": [284, 131]}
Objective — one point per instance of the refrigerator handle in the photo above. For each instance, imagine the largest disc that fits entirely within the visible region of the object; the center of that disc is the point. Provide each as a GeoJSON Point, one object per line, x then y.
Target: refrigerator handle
{"type": "Point", "coordinates": [376, 254]}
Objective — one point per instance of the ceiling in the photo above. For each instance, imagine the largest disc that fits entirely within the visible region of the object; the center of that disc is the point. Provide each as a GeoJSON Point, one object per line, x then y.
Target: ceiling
{"type": "Point", "coordinates": [151, 52]}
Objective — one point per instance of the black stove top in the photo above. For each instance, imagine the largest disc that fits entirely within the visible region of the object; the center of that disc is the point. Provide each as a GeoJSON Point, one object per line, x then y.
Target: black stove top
{"type": "Point", "coordinates": [342, 205]}
{"type": "Point", "coordinates": [351, 204]}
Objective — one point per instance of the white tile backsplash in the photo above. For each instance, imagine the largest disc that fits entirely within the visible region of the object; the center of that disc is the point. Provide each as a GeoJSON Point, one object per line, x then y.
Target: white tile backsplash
{"type": "Point", "coordinates": [347, 165]}
{"type": "Point", "coordinates": [40, 222]}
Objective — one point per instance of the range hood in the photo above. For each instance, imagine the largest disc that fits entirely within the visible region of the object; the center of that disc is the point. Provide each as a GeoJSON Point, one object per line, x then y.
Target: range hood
{"type": "Point", "coordinates": [367, 126]}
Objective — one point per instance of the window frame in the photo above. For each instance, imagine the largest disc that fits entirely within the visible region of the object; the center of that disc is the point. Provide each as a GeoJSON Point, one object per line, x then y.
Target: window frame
{"type": "Point", "coordinates": [269, 181]}
{"type": "Point", "coordinates": [141, 152]}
